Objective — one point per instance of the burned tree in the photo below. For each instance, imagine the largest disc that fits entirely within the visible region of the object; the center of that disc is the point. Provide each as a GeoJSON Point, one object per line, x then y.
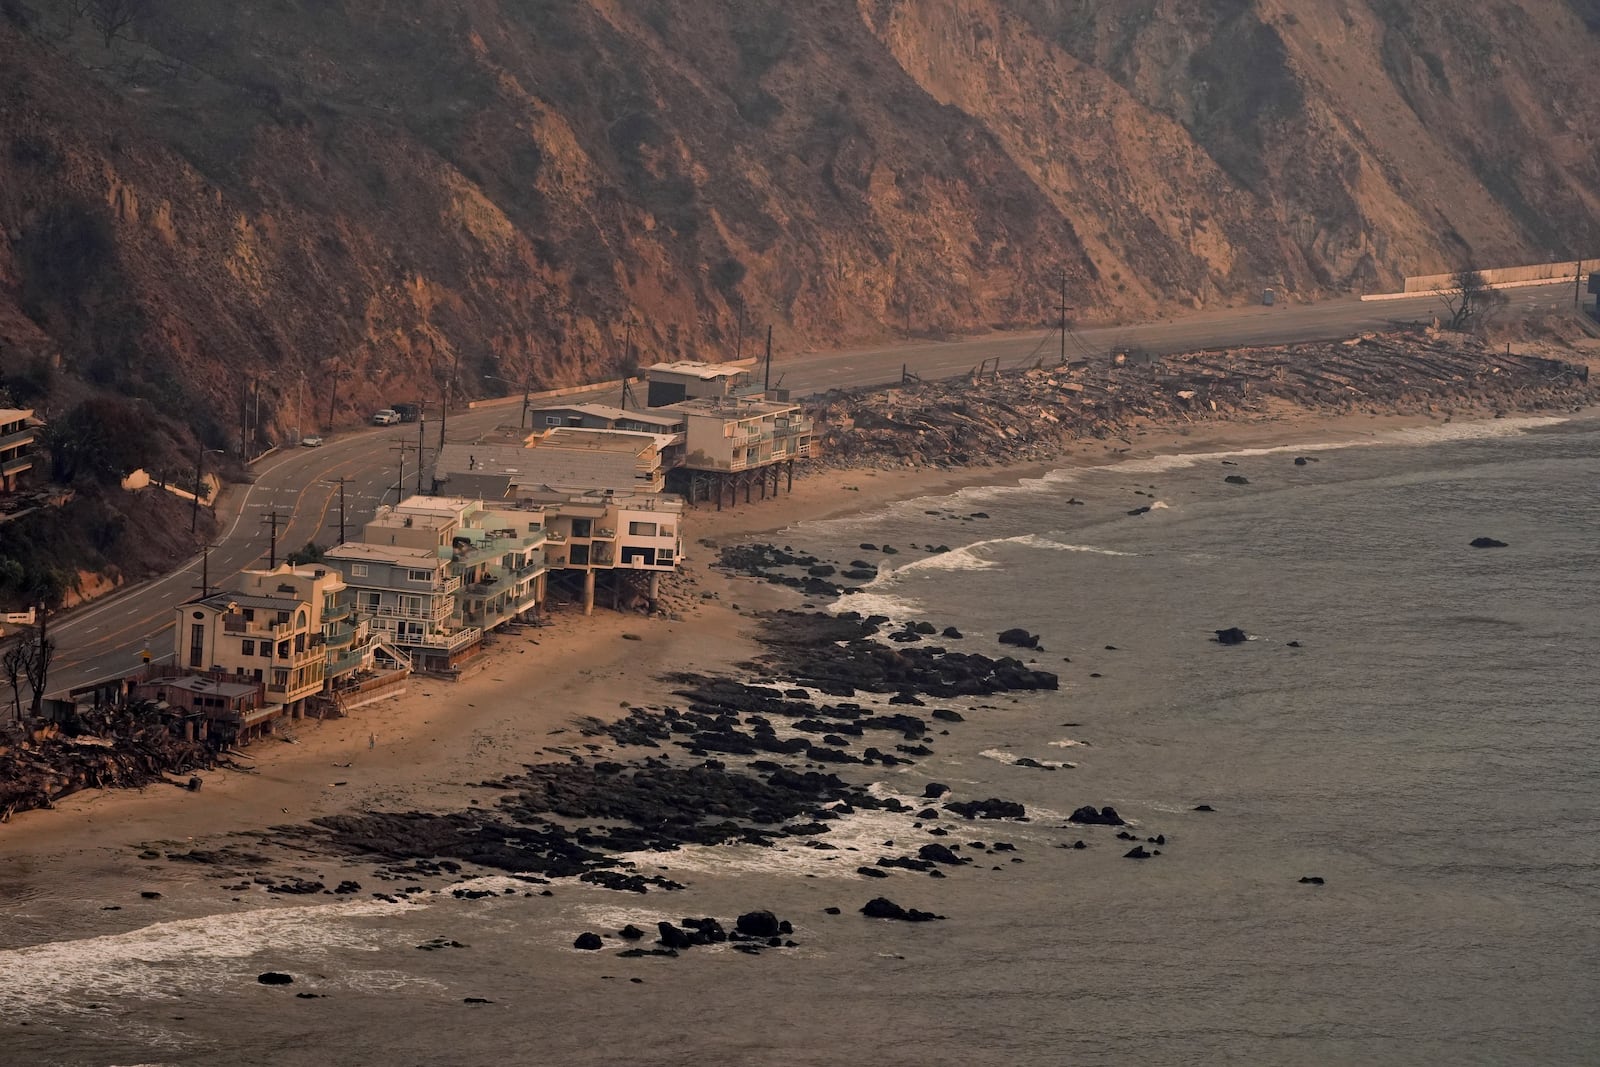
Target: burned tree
{"type": "Point", "coordinates": [112, 17]}
{"type": "Point", "coordinates": [1470, 300]}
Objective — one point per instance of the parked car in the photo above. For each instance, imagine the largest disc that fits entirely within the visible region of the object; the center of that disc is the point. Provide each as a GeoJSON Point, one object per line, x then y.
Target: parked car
{"type": "Point", "coordinates": [386, 417]}
{"type": "Point", "coordinates": [311, 442]}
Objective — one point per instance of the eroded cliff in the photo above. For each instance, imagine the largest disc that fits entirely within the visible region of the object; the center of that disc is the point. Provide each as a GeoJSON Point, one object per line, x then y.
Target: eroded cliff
{"type": "Point", "coordinates": [371, 197]}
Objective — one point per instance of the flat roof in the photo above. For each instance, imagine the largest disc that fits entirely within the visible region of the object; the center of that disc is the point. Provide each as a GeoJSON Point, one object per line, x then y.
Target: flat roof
{"type": "Point", "coordinates": [632, 441]}
{"type": "Point", "coordinates": [703, 371]}
{"type": "Point", "coordinates": [221, 600]}
{"type": "Point", "coordinates": [363, 551]}
{"type": "Point", "coordinates": [737, 407]}
{"type": "Point", "coordinates": [196, 684]}
{"type": "Point", "coordinates": [606, 411]}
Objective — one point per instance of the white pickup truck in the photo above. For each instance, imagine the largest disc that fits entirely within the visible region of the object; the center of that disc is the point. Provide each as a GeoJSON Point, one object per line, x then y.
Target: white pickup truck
{"type": "Point", "coordinates": [386, 417]}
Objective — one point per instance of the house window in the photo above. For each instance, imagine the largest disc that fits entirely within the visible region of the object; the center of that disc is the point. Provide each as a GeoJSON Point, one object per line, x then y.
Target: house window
{"type": "Point", "coordinates": [280, 677]}
{"type": "Point", "coordinates": [247, 647]}
{"type": "Point", "coordinates": [420, 576]}
{"type": "Point", "coordinates": [663, 555]}
{"type": "Point", "coordinates": [579, 555]}
{"type": "Point", "coordinates": [582, 528]}
{"type": "Point", "coordinates": [249, 614]}
{"type": "Point", "coordinates": [358, 570]}
{"type": "Point", "coordinates": [197, 644]}
{"type": "Point", "coordinates": [283, 618]}
{"type": "Point", "coordinates": [411, 605]}
{"type": "Point", "coordinates": [642, 529]}
{"type": "Point", "coordinates": [266, 650]}
{"type": "Point", "coordinates": [553, 420]}
{"type": "Point", "coordinates": [257, 674]}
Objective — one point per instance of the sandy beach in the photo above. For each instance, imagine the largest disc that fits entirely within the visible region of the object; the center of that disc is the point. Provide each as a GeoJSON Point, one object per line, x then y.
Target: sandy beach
{"type": "Point", "coordinates": [426, 748]}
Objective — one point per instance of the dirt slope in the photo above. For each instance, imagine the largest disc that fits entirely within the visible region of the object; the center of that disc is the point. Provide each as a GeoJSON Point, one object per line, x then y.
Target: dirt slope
{"type": "Point", "coordinates": [371, 196]}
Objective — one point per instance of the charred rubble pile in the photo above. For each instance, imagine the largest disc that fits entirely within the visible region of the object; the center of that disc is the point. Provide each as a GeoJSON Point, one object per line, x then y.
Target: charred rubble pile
{"type": "Point", "coordinates": [1010, 416]}
{"type": "Point", "coordinates": [124, 746]}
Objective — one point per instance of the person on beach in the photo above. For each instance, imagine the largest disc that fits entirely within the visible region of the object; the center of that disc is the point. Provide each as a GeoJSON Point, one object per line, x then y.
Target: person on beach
{"type": "Point", "coordinates": [372, 741]}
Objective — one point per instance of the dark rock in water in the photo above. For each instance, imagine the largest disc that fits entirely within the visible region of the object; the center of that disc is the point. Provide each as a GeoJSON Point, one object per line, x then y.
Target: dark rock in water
{"type": "Point", "coordinates": [476, 1000]}
{"type": "Point", "coordinates": [934, 790]}
{"type": "Point", "coordinates": [951, 632]}
{"type": "Point", "coordinates": [1140, 511]}
{"type": "Point", "coordinates": [1232, 636]}
{"type": "Point", "coordinates": [1136, 853]}
{"type": "Point", "coordinates": [831, 911]}
{"type": "Point", "coordinates": [1204, 807]}
{"type": "Point", "coordinates": [1301, 461]}
{"type": "Point", "coordinates": [868, 546]}
{"type": "Point", "coordinates": [890, 550]}
{"type": "Point", "coordinates": [1294, 644]}
{"type": "Point", "coordinates": [640, 953]}
{"type": "Point", "coordinates": [872, 872]}
{"type": "Point", "coordinates": [1079, 845]}
{"type": "Point", "coordinates": [979, 515]}
{"type": "Point", "coordinates": [589, 942]}
{"type": "Point", "coordinates": [1018, 638]}
{"type": "Point", "coordinates": [672, 937]}
{"type": "Point", "coordinates": [859, 574]}
{"type": "Point", "coordinates": [946, 715]}
{"type": "Point", "coordinates": [1123, 835]}
{"type": "Point", "coordinates": [1237, 479]}
{"type": "Point", "coordinates": [758, 924]}
{"type": "Point", "coordinates": [1106, 816]}
{"type": "Point", "coordinates": [311, 996]}
{"type": "Point", "coordinates": [910, 700]}
{"type": "Point", "coordinates": [150, 894]}
{"type": "Point", "coordinates": [993, 808]}
{"type": "Point", "coordinates": [1488, 542]}
{"type": "Point", "coordinates": [936, 853]}
{"type": "Point", "coordinates": [924, 627]}
{"type": "Point", "coordinates": [1030, 762]}
{"type": "Point", "coordinates": [927, 813]}
{"type": "Point", "coordinates": [346, 887]}
{"type": "Point", "coordinates": [1313, 879]}
{"type": "Point", "coordinates": [822, 570]}
{"type": "Point", "coordinates": [882, 908]}
{"type": "Point", "coordinates": [274, 978]}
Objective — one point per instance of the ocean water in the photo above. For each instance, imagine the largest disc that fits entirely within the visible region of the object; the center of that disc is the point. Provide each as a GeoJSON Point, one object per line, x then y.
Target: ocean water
{"type": "Point", "coordinates": [1429, 750]}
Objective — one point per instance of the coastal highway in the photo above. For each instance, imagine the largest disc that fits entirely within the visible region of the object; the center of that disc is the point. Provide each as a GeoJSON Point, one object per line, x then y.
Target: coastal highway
{"type": "Point", "coordinates": [301, 485]}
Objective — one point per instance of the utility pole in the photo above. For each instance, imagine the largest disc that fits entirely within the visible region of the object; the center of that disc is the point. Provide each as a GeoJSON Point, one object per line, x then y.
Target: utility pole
{"type": "Point", "coordinates": [422, 424]}
{"type": "Point", "coordinates": [205, 569]}
{"type": "Point", "coordinates": [1063, 310]}
{"type": "Point", "coordinates": [333, 392]}
{"type": "Point", "coordinates": [340, 483]}
{"type": "Point", "coordinates": [272, 551]}
{"type": "Point", "coordinates": [194, 513]}
{"type": "Point", "coordinates": [1577, 293]}
{"type": "Point", "coordinates": [400, 480]}
{"type": "Point", "coordinates": [767, 383]}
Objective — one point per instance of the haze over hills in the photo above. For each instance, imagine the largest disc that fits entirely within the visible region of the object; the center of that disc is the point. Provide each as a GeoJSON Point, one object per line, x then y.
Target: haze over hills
{"type": "Point", "coordinates": [369, 196]}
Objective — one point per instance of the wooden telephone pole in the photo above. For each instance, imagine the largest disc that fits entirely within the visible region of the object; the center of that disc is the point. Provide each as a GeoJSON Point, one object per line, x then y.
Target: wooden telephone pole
{"type": "Point", "coordinates": [400, 478]}
{"type": "Point", "coordinates": [272, 551]}
{"type": "Point", "coordinates": [340, 483]}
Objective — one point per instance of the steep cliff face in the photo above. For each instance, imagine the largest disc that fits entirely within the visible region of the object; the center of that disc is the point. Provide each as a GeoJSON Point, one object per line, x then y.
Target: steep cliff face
{"type": "Point", "coordinates": [373, 197]}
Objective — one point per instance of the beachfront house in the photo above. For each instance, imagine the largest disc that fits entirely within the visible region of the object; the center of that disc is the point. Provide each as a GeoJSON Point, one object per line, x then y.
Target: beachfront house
{"type": "Point", "coordinates": [672, 383]}
{"type": "Point", "coordinates": [16, 447]}
{"type": "Point", "coordinates": [734, 442]}
{"type": "Point", "coordinates": [569, 458]}
{"type": "Point", "coordinates": [269, 630]}
{"type": "Point", "coordinates": [436, 573]}
{"type": "Point", "coordinates": [620, 540]}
